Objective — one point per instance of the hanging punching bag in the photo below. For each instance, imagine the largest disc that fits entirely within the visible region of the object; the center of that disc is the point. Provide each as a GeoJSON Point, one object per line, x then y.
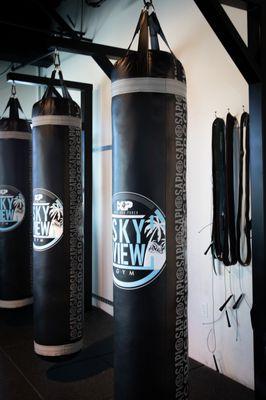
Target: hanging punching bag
{"type": "Point", "coordinates": [57, 221]}
{"type": "Point", "coordinates": [149, 114]}
{"type": "Point", "coordinates": [15, 206]}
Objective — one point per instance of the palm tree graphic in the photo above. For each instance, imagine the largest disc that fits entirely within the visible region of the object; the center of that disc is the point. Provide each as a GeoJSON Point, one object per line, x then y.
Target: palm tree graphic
{"type": "Point", "coordinates": [56, 211]}
{"type": "Point", "coordinates": [19, 203]}
{"type": "Point", "coordinates": [155, 227]}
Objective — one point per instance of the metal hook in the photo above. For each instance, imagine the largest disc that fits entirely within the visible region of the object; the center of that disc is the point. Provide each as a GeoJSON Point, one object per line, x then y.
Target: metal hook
{"type": "Point", "coordinates": [13, 89]}
{"type": "Point", "coordinates": [228, 110]}
{"type": "Point", "coordinates": [215, 114]}
{"type": "Point", "coordinates": [148, 4]}
{"type": "Point", "coordinates": [243, 108]}
{"type": "Point", "coordinates": [57, 62]}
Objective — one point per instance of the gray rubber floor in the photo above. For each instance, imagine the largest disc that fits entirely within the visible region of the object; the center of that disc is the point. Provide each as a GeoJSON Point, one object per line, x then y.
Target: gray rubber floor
{"type": "Point", "coordinates": [23, 376]}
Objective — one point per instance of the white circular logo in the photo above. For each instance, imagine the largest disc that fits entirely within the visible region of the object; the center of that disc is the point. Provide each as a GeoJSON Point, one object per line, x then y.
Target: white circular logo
{"type": "Point", "coordinates": [12, 208]}
{"type": "Point", "coordinates": [139, 240]}
{"type": "Point", "coordinates": [48, 222]}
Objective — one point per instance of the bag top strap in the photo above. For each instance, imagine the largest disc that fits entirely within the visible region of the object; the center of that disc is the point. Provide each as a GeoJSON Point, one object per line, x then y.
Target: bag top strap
{"type": "Point", "coordinates": [155, 24]}
{"type": "Point", "coordinates": [65, 92]}
{"type": "Point", "coordinates": [153, 34]}
{"type": "Point", "coordinates": [14, 105]}
{"type": "Point", "coordinates": [51, 91]}
{"type": "Point", "coordinates": [149, 25]}
{"type": "Point", "coordinates": [151, 21]}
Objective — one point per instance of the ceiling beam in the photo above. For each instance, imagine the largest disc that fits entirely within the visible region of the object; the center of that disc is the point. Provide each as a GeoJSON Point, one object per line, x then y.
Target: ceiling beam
{"type": "Point", "coordinates": [86, 47]}
{"type": "Point", "coordinates": [105, 64]}
{"type": "Point", "coordinates": [230, 38]}
{"type": "Point", "coordinates": [240, 4]}
{"type": "Point", "coordinates": [42, 81]}
{"type": "Point", "coordinates": [69, 45]}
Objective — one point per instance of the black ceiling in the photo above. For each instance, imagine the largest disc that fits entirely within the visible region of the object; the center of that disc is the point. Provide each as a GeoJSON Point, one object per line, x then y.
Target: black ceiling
{"type": "Point", "coordinates": [26, 25]}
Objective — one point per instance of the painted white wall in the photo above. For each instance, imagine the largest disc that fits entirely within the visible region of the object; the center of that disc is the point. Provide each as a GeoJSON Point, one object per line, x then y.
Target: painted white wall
{"type": "Point", "coordinates": [214, 84]}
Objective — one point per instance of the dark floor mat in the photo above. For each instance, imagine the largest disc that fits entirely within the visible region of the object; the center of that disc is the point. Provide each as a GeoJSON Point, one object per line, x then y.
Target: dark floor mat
{"type": "Point", "coordinates": [24, 376]}
{"type": "Point", "coordinates": [206, 384]}
{"type": "Point", "coordinates": [91, 361]}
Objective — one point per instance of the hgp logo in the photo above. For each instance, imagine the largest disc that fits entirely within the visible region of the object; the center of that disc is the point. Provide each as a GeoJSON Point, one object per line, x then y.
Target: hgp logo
{"type": "Point", "coordinates": [124, 205]}
{"type": "Point", "coordinates": [38, 197]}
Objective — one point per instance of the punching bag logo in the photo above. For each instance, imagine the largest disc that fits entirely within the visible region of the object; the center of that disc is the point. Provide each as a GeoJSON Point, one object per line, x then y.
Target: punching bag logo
{"type": "Point", "coordinates": [47, 219]}
{"type": "Point", "coordinates": [139, 240]}
{"type": "Point", "coordinates": [12, 208]}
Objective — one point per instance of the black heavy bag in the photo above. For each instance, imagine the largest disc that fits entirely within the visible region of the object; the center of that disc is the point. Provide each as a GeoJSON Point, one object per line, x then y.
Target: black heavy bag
{"type": "Point", "coordinates": [15, 206]}
{"type": "Point", "coordinates": [149, 114]}
{"type": "Point", "coordinates": [57, 218]}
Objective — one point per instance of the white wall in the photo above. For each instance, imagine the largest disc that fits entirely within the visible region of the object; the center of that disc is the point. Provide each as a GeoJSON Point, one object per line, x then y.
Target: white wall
{"type": "Point", "coordinates": [214, 84]}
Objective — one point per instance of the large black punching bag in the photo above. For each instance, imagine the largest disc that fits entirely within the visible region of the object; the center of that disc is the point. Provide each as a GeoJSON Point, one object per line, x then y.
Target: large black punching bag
{"type": "Point", "coordinates": [149, 114]}
{"type": "Point", "coordinates": [15, 208]}
{"type": "Point", "coordinates": [57, 224]}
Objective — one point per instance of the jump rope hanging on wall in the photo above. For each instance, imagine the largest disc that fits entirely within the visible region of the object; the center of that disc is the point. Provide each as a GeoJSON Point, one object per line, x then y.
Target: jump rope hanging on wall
{"type": "Point", "coordinates": [15, 207]}
{"type": "Point", "coordinates": [231, 233]}
{"type": "Point", "coordinates": [149, 114]}
{"type": "Point", "coordinates": [231, 227]}
{"type": "Point", "coordinates": [57, 222]}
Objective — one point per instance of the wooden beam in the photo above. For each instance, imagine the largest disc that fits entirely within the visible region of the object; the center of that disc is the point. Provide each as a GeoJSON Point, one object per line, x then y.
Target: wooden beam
{"type": "Point", "coordinates": [230, 38]}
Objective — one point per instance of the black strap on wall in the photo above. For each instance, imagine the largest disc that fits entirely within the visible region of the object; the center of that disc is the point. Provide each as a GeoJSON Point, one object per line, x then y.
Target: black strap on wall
{"type": "Point", "coordinates": [231, 237]}
{"type": "Point", "coordinates": [218, 173]}
{"type": "Point", "coordinates": [243, 215]}
{"type": "Point", "coordinates": [229, 248]}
